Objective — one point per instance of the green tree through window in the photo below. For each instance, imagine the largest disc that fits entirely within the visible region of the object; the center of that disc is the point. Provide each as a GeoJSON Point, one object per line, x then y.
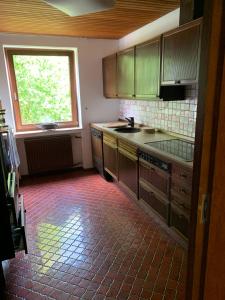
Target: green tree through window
{"type": "Point", "coordinates": [43, 85]}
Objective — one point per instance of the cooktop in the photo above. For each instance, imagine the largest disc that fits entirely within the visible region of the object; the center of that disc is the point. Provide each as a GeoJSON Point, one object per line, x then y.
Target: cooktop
{"type": "Point", "coordinates": [177, 147]}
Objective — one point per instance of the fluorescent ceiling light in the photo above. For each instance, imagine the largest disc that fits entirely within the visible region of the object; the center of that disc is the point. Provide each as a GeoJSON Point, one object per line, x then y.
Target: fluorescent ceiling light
{"type": "Point", "coordinates": [75, 8]}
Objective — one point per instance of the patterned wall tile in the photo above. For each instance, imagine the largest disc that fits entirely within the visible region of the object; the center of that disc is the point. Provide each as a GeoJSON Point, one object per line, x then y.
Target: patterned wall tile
{"type": "Point", "coordinates": [175, 116]}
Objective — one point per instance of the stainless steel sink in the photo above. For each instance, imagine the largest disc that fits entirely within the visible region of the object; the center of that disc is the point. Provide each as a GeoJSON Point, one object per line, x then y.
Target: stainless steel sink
{"type": "Point", "coordinates": [127, 130]}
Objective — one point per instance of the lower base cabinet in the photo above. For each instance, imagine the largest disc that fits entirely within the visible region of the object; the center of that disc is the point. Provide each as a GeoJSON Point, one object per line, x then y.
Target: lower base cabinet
{"type": "Point", "coordinates": [110, 154]}
{"type": "Point", "coordinates": [97, 151]}
{"type": "Point", "coordinates": [163, 185]}
{"type": "Point", "coordinates": [179, 220]}
{"type": "Point", "coordinates": [156, 201]}
{"type": "Point", "coordinates": [128, 171]}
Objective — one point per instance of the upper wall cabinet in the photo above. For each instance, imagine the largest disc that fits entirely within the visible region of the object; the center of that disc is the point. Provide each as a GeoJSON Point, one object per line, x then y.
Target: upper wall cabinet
{"type": "Point", "coordinates": [180, 54]}
{"type": "Point", "coordinates": [109, 68]}
{"type": "Point", "coordinates": [147, 69]}
{"type": "Point", "coordinates": [125, 73]}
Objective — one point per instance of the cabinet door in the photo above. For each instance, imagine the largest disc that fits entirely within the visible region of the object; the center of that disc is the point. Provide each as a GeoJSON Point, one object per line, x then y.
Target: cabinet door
{"type": "Point", "coordinates": [110, 159]}
{"type": "Point", "coordinates": [97, 152]}
{"type": "Point", "coordinates": [179, 220]}
{"type": "Point", "coordinates": [125, 69]}
{"type": "Point", "coordinates": [147, 69]}
{"type": "Point", "coordinates": [180, 54]}
{"type": "Point", "coordinates": [155, 201]}
{"type": "Point", "coordinates": [128, 171]}
{"type": "Point", "coordinates": [109, 69]}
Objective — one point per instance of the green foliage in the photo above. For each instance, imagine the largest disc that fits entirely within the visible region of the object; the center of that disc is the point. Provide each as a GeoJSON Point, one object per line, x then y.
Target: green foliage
{"type": "Point", "coordinates": [43, 84]}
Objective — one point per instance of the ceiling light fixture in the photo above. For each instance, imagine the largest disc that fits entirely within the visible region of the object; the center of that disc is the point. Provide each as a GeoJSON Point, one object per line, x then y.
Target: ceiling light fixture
{"type": "Point", "coordinates": [76, 8]}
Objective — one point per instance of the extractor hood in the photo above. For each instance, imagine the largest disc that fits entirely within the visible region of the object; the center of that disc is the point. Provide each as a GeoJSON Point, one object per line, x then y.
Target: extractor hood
{"type": "Point", "coordinates": [76, 8]}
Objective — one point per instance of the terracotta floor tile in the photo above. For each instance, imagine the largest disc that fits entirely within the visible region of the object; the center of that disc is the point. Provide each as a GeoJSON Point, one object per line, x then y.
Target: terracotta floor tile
{"type": "Point", "coordinates": [88, 240]}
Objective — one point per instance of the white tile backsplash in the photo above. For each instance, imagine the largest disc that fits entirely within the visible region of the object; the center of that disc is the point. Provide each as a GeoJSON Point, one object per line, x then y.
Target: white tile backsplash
{"type": "Point", "coordinates": [175, 116]}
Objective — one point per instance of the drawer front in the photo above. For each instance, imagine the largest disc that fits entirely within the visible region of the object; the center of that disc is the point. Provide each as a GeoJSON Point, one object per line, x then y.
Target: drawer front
{"type": "Point", "coordinates": [182, 174]}
{"type": "Point", "coordinates": [179, 220]}
{"type": "Point", "coordinates": [159, 205]}
{"type": "Point", "coordinates": [128, 172]}
{"type": "Point", "coordinates": [155, 177]}
{"type": "Point", "coordinates": [110, 160]}
{"type": "Point", "coordinates": [183, 202]}
{"type": "Point", "coordinates": [109, 139]}
{"type": "Point", "coordinates": [126, 146]}
{"type": "Point", "coordinates": [183, 190]}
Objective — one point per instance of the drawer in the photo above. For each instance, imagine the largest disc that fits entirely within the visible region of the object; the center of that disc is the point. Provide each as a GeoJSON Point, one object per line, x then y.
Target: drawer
{"type": "Point", "coordinates": [110, 160]}
{"type": "Point", "coordinates": [183, 202]}
{"type": "Point", "coordinates": [128, 171]}
{"type": "Point", "coordinates": [110, 140]}
{"type": "Point", "coordinates": [19, 232]}
{"type": "Point", "coordinates": [182, 189]}
{"type": "Point", "coordinates": [179, 220]}
{"type": "Point", "coordinates": [155, 201]}
{"type": "Point", "coordinates": [126, 146]}
{"type": "Point", "coordinates": [155, 177]}
{"type": "Point", "coordinates": [182, 174]}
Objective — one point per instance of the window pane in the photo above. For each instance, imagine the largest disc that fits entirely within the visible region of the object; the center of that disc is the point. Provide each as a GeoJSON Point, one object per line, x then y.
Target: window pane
{"type": "Point", "coordinates": [43, 84]}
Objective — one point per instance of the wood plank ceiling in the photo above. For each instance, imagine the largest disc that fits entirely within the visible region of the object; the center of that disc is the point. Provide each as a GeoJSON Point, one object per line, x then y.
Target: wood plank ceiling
{"type": "Point", "coordinates": [37, 17]}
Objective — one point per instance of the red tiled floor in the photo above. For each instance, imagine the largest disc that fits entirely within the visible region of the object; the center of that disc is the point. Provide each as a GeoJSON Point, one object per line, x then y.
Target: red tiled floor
{"type": "Point", "coordinates": [88, 240]}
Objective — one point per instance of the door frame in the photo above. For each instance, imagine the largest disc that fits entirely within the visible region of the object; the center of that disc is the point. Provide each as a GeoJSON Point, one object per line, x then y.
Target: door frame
{"type": "Point", "coordinates": [208, 161]}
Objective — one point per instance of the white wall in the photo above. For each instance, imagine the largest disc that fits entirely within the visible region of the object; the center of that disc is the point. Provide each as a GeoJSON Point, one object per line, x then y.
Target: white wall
{"type": "Point", "coordinates": [94, 107]}
{"type": "Point", "coordinates": [151, 30]}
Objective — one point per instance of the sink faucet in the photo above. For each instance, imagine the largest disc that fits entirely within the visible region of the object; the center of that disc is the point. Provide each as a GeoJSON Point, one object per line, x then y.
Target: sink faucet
{"type": "Point", "coordinates": [130, 121]}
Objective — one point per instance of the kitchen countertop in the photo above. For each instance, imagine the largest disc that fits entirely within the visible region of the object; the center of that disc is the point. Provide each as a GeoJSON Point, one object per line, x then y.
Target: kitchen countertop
{"type": "Point", "coordinates": [141, 138]}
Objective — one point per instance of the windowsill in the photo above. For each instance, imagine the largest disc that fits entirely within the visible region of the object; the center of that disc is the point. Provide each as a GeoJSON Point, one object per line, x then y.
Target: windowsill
{"type": "Point", "coordinates": [36, 133]}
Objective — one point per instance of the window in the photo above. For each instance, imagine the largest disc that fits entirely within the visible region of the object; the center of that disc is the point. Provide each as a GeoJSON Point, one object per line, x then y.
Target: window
{"type": "Point", "coordinates": [43, 87]}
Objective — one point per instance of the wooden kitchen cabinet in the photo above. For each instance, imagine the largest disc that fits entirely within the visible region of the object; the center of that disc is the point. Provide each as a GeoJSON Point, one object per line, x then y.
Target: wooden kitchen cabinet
{"type": "Point", "coordinates": [155, 177]}
{"type": "Point", "coordinates": [179, 220]}
{"type": "Point", "coordinates": [181, 189]}
{"type": "Point", "coordinates": [147, 69]}
{"type": "Point", "coordinates": [180, 54]}
{"type": "Point", "coordinates": [159, 204]}
{"type": "Point", "coordinates": [97, 149]}
{"type": "Point", "coordinates": [128, 166]}
{"type": "Point", "coordinates": [110, 155]}
{"type": "Point", "coordinates": [125, 73]}
{"type": "Point", "coordinates": [109, 69]}
{"type": "Point", "coordinates": [154, 183]}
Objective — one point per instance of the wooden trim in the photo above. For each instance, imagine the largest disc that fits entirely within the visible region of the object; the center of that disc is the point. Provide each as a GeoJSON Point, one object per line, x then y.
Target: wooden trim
{"type": "Point", "coordinates": [214, 260]}
{"type": "Point", "coordinates": [9, 52]}
{"type": "Point", "coordinates": [206, 127]}
{"type": "Point", "coordinates": [184, 27]}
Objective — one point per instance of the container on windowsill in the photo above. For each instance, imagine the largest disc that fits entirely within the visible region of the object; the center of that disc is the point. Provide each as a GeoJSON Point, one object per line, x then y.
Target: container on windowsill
{"type": "Point", "coordinates": [48, 126]}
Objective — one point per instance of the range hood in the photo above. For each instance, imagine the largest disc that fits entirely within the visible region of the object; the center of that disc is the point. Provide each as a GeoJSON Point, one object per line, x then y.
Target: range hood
{"type": "Point", "coordinates": [76, 8]}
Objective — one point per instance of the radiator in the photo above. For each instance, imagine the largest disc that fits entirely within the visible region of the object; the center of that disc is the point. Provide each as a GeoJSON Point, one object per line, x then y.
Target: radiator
{"type": "Point", "coordinates": [48, 153]}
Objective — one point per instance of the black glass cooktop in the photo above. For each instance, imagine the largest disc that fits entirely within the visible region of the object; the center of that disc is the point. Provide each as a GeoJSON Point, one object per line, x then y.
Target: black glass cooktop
{"type": "Point", "coordinates": [177, 147]}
